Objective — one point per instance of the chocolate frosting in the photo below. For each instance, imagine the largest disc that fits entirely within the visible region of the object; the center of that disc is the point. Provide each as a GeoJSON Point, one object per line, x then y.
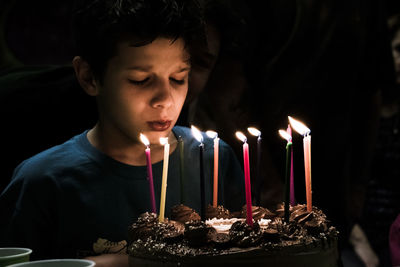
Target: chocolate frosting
{"type": "Point", "coordinates": [315, 221]}
{"type": "Point", "coordinates": [198, 233]}
{"type": "Point", "coordinates": [143, 227]}
{"type": "Point", "coordinates": [243, 235]}
{"type": "Point", "coordinates": [258, 213]}
{"type": "Point", "coordinates": [147, 226]}
{"type": "Point", "coordinates": [184, 214]}
{"type": "Point", "coordinates": [218, 212]}
{"type": "Point", "coordinates": [305, 230]}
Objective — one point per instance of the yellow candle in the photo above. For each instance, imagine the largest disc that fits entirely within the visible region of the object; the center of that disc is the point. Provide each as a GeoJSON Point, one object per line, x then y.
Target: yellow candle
{"type": "Point", "coordinates": [164, 141]}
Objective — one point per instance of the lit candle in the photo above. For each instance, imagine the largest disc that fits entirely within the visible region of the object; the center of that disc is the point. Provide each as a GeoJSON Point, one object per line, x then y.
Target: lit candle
{"type": "Point", "coordinates": [288, 138]}
{"type": "Point", "coordinates": [181, 167]}
{"type": "Point", "coordinates": [146, 142]}
{"type": "Point", "coordinates": [257, 133]}
{"type": "Point", "coordinates": [199, 137]}
{"type": "Point", "coordinates": [243, 138]}
{"type": "Point", "coordinates": [303, 130]}
{"type": "Point", "coordinates": [292, 197]}
{"type": "Point", "coordinates": [214, 135]}
{"type": "Point", "coordinates": [164, 142]}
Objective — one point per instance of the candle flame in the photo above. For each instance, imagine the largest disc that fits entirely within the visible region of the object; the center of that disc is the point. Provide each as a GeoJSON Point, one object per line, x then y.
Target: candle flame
{"type": "Point", "coordinates": [285, 135]}
{"type": "Point", "coordinates": [254, 131]}
{"type": "Point", "coordinates": [163, 140]}
{"type": "Point", "coordinates": [241, 137]}
{"type": "Point", "coordinates": [299, 126]}
{"type": "Point", "coordinates": [144, 140]}
{"type": "Point", "coordinates": [197, 134]}
{"type": "Point", "coordinates": [212, 134]}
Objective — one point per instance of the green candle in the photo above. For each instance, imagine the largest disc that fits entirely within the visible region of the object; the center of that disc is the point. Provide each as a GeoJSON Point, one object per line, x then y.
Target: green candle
{"type": "Point", "coordinates": [287, 180]}
{"type": "Point", "coordinates": [181, 169]}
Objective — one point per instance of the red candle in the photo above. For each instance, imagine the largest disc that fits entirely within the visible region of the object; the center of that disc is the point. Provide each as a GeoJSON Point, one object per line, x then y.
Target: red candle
{"type": "Point", "coordinates": [149, 172]}
{"type": "Point", "coordinates": [243, 138]}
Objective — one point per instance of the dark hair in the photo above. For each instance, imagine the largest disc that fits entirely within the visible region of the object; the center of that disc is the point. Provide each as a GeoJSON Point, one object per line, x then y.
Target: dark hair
{"type": "Point", "coordinates": [98, 25]}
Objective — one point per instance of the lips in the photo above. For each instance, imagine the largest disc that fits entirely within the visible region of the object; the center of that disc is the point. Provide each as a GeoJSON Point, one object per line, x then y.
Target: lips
{"type": "Point", "coordinates": [159, 125]}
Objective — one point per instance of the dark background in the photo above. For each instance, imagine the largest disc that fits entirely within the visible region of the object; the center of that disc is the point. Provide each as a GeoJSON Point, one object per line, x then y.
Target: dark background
{"type": "Point", "coordinates": [323, 62]}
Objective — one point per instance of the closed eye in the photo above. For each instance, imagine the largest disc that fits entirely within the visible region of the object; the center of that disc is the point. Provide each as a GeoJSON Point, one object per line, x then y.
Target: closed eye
{"type": "Point", "coordinates": [140, 82]}
{"type": "Point", "coordinates": [178, 81]}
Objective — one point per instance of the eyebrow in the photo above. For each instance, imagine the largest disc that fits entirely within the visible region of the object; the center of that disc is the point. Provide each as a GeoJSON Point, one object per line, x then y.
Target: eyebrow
{"type": "Point", "coordinates": [148, 68]}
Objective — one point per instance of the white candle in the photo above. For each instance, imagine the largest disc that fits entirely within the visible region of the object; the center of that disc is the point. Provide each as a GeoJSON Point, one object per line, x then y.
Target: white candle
{"type": "Point", "coordinates": [305, 132]}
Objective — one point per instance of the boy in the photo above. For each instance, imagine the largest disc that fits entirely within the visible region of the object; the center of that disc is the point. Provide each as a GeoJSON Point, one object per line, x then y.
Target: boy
{"type": "Point", "coordinates": [78, 199]}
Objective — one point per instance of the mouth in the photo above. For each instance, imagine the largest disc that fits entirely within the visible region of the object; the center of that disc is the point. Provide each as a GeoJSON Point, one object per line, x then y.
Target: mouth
{"type": "Point", "coordinates": [159, 125]}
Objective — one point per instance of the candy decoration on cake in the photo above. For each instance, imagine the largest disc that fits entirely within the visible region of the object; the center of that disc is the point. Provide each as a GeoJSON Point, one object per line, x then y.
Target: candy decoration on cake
{"type": "Point", "coordinates": [214, 135]}
{"type": "Point", "coordinates": [146, 142]}
{"type": "Point", "coordinates": [199, 137]}
{"type": "Point", "coordinates": [257, 133]}
{"type": "Point", "coordinates": [246, 165]}
{"type": "Point", "coordinates": [305, 132]}
{"type": "Point", "coordinates": [288, 138]}
{"type": "Point", "coordinates": [164, 142]}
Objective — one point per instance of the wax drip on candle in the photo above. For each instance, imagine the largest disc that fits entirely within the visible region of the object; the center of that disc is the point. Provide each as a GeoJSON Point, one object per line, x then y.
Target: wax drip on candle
{"type": "Point", "coordinates": [246, 164]}
{"type": "Point", "coordinates": [146, 142]}
{"type": "Point", "coordinates": [214, 135]}
{"type": "Point", "coordinates": [259, 182]}
{"type": "Point", "coordinates": [199, 137]}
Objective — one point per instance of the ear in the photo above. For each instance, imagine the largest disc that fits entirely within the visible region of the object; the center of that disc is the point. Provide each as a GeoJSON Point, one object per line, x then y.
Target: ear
{"type": "Point", "coordinates": [85, 76]}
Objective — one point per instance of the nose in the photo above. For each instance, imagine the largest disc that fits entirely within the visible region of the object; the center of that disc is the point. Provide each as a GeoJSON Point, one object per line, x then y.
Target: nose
{"type": "Point", "coordinates": [162, 97]}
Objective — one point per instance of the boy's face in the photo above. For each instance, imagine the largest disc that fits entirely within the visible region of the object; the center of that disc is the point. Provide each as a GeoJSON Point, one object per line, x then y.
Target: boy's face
{"type": "Point", "coordinates": [143, 89]}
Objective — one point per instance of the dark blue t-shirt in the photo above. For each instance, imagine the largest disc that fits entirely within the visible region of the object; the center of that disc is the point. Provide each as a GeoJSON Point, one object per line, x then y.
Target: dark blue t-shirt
{"type": "Point", "coordinates": [61, 201]}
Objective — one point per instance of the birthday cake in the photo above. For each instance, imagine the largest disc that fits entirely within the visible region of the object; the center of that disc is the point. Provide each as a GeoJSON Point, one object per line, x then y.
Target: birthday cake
{"type": "Point", "coordinates": [225, 238]}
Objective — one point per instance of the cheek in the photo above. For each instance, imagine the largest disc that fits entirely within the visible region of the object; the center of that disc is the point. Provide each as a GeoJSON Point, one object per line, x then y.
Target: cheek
{"type": "Point", "coordinates": [180, 98]}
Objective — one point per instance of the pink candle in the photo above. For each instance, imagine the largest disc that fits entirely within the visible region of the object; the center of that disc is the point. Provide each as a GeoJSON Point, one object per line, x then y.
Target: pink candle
{"type": "Point", "coordinates": [149, 173]}
{"type": "Point", "coordinates": [249, 217]}
{"type": "Point", "coordinates": [307, 167]}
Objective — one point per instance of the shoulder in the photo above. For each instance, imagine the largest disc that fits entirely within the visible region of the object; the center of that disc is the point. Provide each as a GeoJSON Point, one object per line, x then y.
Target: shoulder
{"type": "Point", "coordinates": [51, 161]}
